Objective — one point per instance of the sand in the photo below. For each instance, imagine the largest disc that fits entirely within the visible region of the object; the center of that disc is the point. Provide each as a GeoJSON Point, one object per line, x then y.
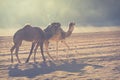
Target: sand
{"type": "Point", "coordinates": [92, 56]}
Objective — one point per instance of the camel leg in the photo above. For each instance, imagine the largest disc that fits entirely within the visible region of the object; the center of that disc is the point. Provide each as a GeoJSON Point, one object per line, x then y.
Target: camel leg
{"type": "Point", "coordinates": [16, 53]}
{"type": "Point", "coordinates": [35, 50]}
{"type": "Point", "coordinates": [46, 46]}
{"type": "Point", "coordinates": [32, 47]}
{"type": "Point", "coordinates": [12, 49]}
{"type": "Point", "coordinates": [41, 48]}
{"type": "Point", "coordinates": [64, 42]}
{"type": "Point", "coordinates": [57, 48]}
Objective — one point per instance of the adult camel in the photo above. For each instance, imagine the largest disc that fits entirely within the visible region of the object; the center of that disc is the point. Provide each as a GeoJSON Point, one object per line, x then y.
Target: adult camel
{"type": "Point", "coordinates": [28, 33]}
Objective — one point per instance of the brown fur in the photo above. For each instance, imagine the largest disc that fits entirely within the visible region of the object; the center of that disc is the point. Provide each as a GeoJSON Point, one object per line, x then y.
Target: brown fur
{"type": "Point", "coordinates": [57, 34]}
{"type": "Point", "coordinates": [28, 33]}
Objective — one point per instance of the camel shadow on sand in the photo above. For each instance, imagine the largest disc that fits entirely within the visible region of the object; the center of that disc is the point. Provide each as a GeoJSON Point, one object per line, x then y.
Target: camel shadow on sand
{"type": "Point", "coordinates": [44, 68]}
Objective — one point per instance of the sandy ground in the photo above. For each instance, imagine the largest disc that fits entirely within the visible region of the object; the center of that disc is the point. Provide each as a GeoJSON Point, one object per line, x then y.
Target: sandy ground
{"type": "Point", "coordinates": [93, 56]}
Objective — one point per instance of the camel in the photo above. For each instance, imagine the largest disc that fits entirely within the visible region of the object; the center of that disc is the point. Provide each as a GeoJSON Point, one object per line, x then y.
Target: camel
{"type": "Point", "coordinates": [56, 33]}
{"type": "Point", "coordinates": [28, 33]}
{"type": "Point", "coordinates": [49, 32]}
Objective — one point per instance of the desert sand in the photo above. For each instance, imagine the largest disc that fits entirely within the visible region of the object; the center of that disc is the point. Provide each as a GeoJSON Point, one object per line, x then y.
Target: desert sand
{"type": "Point", "coordinates": [92, 56]}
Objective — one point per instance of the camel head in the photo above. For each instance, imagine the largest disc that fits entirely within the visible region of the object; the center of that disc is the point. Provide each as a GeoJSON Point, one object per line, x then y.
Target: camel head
{"type": "Point", "coordinates": [71, 26]}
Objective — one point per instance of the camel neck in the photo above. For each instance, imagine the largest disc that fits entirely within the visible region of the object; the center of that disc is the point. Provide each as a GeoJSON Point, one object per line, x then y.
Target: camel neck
{"type": "Point", "coordinates": [70, 30]}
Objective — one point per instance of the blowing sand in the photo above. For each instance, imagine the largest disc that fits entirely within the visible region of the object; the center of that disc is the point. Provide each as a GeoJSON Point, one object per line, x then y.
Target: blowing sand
{"type": "Point", "coordinates": [93, 56]}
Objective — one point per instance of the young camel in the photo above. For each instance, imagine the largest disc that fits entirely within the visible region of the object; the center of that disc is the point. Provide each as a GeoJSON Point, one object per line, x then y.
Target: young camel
{"type": "Point", "coordinates": [28, 33]}
{"type": "Point", "coordinates": [56, 33]}
{"type": "Point", "coordinates": [49, 32]}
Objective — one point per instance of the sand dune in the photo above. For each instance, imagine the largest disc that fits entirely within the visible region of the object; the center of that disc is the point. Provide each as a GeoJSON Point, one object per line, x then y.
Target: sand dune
{"type": "Point", "coordinates": [93, 56]}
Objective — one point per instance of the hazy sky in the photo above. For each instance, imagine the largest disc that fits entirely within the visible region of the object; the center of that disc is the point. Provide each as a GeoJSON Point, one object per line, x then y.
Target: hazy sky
{"type": "Point", "coordinates": [15, 13]}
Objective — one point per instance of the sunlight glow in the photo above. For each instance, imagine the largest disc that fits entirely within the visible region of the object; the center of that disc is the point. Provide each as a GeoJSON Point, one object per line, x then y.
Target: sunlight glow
{"type": "Point", "coordinates": [77, 29]}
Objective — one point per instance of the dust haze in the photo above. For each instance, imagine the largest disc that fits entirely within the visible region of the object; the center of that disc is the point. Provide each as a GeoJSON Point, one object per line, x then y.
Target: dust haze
{"type": "Point", "coordinates": [92, 15]}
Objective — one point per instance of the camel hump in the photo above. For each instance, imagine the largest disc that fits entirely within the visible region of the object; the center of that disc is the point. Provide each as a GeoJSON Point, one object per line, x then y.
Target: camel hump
{"type": "Point", "coordinates": [27, 26]}
{"type": "Point", "coordinates": [56, 24]}
{"type": "Point", "coordinates": [71, 24]}
{"type": "Point", "coordinates": [52, 29]}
